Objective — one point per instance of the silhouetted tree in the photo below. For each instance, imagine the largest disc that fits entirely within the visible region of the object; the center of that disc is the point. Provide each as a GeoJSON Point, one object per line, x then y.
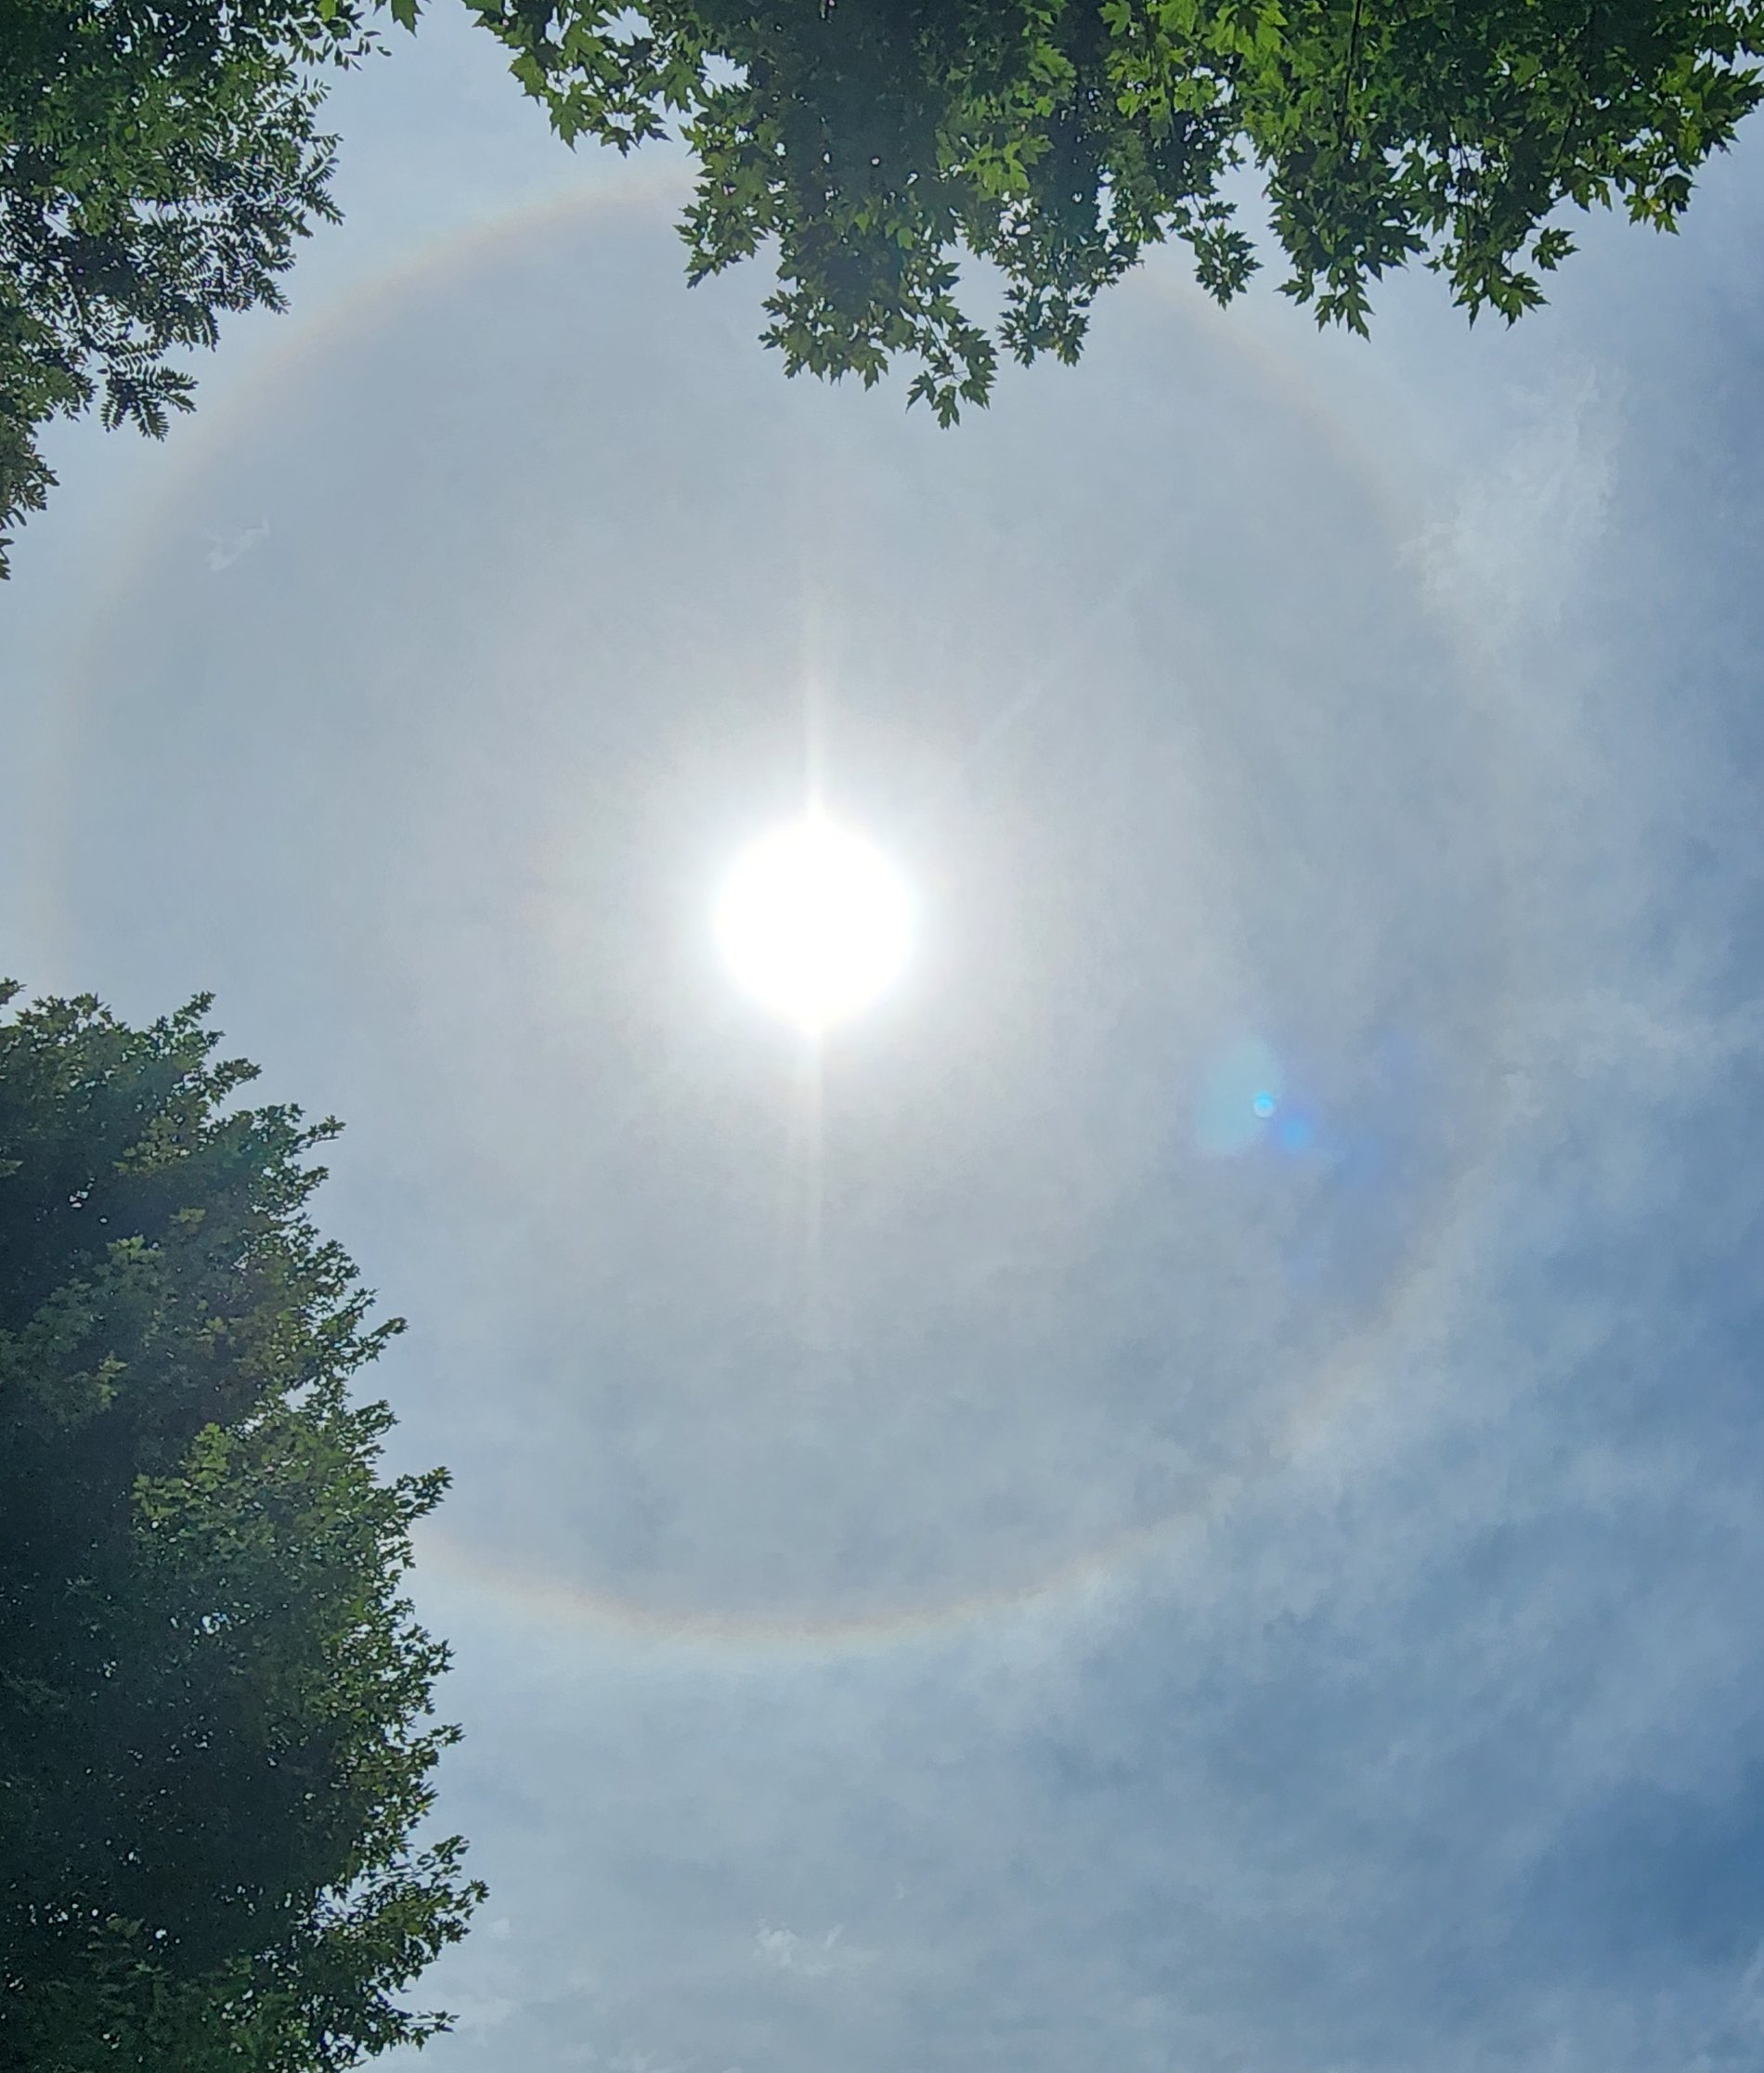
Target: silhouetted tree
{"type": "Point", "coordinates": [157, 161]}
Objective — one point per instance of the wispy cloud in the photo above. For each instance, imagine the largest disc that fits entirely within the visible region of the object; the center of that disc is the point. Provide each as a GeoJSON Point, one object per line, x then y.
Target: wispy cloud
{"type": "Point", "coordinates": [224, 551]}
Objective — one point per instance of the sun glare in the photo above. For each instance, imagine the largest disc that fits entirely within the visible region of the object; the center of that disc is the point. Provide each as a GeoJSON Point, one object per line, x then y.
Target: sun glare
{"type": "Point", "coordinates": [814, 922]}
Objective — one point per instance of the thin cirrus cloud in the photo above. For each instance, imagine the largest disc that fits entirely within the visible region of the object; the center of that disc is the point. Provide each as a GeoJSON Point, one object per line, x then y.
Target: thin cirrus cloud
{"type": "Point", "coordinates": [1195, 1495]}
{"type": "Point", "coordinates": [223, 552]}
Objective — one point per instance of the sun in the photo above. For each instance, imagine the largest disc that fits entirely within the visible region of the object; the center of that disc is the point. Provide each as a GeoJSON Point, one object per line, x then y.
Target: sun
{"type": "Point", "coordinates": [814, 922]}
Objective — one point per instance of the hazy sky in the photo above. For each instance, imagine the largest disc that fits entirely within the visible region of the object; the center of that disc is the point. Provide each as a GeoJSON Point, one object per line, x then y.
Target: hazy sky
{"type": "Point", "coordinates": [997, 1556]}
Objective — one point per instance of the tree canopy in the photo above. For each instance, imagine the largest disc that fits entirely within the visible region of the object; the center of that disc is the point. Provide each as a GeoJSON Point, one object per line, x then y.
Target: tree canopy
{"type": "Point", "coordinates": [215, 1748]}
{"type": "Point", "coordinates": [875, 140]}
{"type": "Point", "coordinates": [158, 159]}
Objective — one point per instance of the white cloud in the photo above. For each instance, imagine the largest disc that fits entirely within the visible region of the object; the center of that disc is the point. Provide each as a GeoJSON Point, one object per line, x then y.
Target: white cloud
{"type": "Point", "coordinates": [811, 1957]}
{"type": "Point", "coordinates": [223, 552]}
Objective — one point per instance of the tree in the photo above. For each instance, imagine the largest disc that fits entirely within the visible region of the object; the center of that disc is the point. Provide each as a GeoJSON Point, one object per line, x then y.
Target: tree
{"type": "Point", "coordinates": [159, 160]}
{"type": "Point", "coordinates": [216, 1749]}
{"type": "Point", "coordinates": [874, 140]}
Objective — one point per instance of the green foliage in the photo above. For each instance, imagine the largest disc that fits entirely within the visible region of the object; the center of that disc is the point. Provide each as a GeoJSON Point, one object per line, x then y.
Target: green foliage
{"type": "Point", "coordinates": [157, 161]}
{"type": "Point", "coordinates": [872, 141]}
{"type": "Point", "coordinates": [216, 1749]}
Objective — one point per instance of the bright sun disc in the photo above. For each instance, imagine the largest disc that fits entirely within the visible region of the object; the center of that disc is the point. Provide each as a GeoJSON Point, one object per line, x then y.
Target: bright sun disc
{"type": "Point", "coordinates": [814, 922]}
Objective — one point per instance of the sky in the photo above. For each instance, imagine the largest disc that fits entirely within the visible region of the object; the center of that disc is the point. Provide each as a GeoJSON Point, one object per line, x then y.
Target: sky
{"type": "Point", "coordinates": [983, 1550]}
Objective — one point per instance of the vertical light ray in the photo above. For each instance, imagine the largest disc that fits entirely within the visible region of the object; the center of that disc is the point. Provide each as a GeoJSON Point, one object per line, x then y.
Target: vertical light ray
{"type": "Point", "coordinates": [811, 1106]}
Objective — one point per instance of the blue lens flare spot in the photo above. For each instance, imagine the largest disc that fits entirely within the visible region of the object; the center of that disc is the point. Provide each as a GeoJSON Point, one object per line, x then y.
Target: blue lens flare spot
{"type": "Point", "coordinates": [1296, 1135]}
{"type": "Point", "coordinates": [1239, 1091]}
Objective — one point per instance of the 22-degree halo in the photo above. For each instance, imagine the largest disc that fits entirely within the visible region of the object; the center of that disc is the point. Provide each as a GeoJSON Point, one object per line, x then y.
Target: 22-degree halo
{"type": "Point", "coordinates": [814, 922]}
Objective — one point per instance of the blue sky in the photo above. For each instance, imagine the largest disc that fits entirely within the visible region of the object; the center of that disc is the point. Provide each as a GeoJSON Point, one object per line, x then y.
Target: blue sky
{"type": "Point", "coordinates": [1139, 1586]}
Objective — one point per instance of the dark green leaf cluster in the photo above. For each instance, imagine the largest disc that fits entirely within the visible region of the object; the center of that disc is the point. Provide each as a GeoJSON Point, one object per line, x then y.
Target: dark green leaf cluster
{"type": "Point", "coordinates": [157, 161]}
{"type": "Point", "coordinates": [215, 1742]}
{"type": "Point", "coordinates": [872, 141]}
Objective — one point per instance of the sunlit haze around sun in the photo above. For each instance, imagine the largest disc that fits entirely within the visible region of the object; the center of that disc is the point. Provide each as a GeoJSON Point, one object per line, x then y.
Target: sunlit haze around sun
{"type": "Point", "coordinates": [814, 922]}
